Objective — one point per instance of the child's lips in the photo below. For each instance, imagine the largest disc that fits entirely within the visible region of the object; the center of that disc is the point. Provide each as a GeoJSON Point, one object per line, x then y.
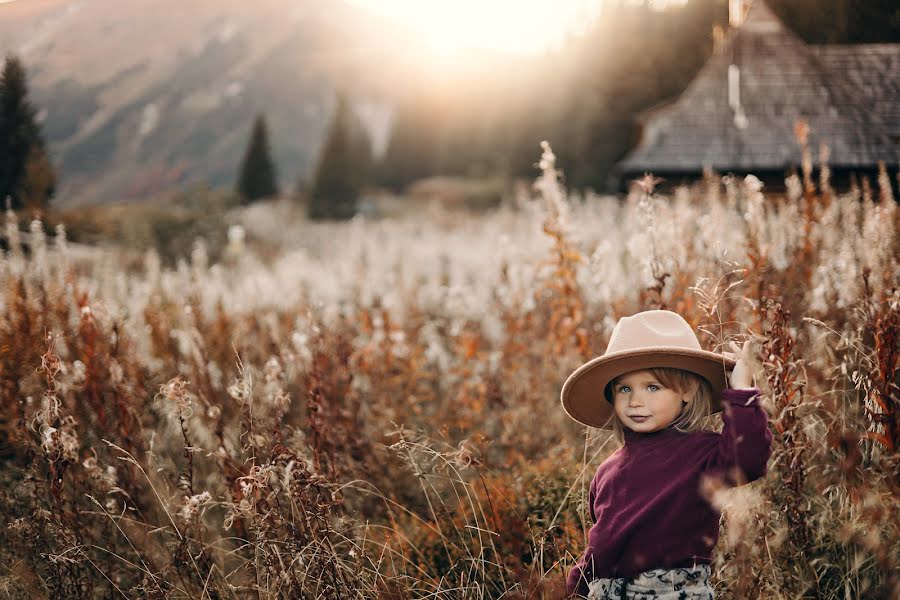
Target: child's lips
{"type": "Point", "coordinates": [639, 418]}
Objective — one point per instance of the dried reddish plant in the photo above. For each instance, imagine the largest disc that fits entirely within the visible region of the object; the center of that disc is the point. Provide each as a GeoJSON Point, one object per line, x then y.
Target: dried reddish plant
{"type": "Point", "coordinates": [166, 436]}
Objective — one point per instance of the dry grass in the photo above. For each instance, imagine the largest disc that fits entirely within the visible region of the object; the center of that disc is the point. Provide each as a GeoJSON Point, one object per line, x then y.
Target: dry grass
{"type": "Point", "coordinates": [371, 409]}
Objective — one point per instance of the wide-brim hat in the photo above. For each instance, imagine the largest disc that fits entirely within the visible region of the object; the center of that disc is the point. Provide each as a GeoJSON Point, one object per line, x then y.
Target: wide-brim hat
{"type": "Point", "coordinates": [653, 338]}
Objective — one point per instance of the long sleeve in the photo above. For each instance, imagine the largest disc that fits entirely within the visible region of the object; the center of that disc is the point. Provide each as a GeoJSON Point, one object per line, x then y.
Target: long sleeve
{"type": "Point", "coordinates": [745, 444]}
{"type": "Point", "coordinates": [648, 502]}
{"type": "Point", "coordinates": [606, 540]}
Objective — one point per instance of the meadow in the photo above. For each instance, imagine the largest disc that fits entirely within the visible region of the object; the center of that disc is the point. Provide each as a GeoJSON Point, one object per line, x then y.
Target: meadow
{"type": "Point", "coordinates": [371, 409]}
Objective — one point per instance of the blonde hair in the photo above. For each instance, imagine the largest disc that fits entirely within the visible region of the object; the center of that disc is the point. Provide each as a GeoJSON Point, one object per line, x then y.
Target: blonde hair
{"type": "Point", "coordinates": [693, 416]}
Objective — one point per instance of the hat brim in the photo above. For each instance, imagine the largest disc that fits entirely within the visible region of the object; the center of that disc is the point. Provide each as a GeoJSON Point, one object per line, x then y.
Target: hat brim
{"type": "Point", "coordinates": [582, 393]}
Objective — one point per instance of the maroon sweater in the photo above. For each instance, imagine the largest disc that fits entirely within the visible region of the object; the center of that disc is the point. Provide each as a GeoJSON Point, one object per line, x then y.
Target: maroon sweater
{"type": "Point", "coordinates": [645, 501]}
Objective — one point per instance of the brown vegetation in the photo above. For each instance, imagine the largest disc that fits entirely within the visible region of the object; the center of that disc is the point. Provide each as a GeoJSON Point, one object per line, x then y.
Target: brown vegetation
{"type": "Point", "coordinates": [181, 434]}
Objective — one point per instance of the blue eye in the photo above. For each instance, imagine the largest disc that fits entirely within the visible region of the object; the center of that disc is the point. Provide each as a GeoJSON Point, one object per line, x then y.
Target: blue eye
{"type": "Point", "coordinates": [625, 387]}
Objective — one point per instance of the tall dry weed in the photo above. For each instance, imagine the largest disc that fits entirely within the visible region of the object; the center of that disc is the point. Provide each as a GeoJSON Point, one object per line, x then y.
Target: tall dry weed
{"type": "Point", "coordinates": [372, 411]}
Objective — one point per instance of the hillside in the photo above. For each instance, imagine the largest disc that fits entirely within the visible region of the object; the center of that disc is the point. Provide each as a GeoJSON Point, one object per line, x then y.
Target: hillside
{"type": "Point", "coordinates": [143, 96]}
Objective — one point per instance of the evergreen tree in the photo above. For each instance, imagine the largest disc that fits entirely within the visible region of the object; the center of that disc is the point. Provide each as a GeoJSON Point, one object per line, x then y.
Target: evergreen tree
{"type": "Point", "coordinates": [257, 179]}
{"type": "Point", "coordinates": [26, 174]}
{"type": "Point", "coordinates": [344, 167]}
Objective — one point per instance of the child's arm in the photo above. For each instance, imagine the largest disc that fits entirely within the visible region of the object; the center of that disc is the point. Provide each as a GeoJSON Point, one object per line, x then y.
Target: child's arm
{"type": "Point", "coordinates": [604, 543]}
{"type": "Point", "coordinates": [745, 444]}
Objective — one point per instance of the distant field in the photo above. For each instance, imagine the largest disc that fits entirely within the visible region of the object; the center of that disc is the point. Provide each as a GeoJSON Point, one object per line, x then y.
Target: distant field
{"type": "Point", "coordinates": [371, 409]}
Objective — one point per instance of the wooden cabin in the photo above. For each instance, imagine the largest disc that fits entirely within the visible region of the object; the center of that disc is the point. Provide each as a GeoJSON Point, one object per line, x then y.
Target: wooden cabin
{"type": "Point", "coordinates": [740, 112]}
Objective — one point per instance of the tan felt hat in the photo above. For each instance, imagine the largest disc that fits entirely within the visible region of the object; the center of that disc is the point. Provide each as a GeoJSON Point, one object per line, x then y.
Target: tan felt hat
{"type": "Point", "coordinates": [653, 338]}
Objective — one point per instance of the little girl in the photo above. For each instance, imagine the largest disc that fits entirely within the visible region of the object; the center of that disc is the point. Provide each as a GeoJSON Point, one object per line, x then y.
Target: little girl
{"type": "Point", "coordinates": [653, 528]}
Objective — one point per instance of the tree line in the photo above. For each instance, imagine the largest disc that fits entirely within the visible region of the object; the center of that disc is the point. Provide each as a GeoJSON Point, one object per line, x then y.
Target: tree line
{"type": "Point", "coordinates": [583, 98]}
{"type": "Point", "coordinates": [28, 179]}
{"type": "Point", "coordinates": [343, 169]}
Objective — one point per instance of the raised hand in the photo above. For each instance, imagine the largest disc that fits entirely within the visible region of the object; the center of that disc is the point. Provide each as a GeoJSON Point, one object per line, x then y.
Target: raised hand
{"type": "Point", "coordinates": [740, 377]}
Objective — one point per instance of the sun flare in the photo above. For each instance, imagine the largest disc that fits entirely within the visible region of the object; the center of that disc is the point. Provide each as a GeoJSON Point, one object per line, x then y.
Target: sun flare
{"type": "Point", "coordinates": [511, 26]}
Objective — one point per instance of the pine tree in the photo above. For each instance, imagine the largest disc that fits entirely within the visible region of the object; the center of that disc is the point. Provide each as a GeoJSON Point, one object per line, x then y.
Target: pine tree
{"type": "Point", "coordinates": [26, 174]}
{"type": "Point", "coordinates": [257, 179]}
{"type": "Point", "coordinates": [344, 167]}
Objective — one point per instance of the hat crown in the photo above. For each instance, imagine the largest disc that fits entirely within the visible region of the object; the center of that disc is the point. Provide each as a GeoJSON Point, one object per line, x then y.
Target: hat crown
{"type": "Point", "coordinates": [652, 328]}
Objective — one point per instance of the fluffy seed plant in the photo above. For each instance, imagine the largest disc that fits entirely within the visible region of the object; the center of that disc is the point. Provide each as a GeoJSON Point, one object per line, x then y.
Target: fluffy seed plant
{"type": "Point", "coordinates": [370, 409]}
{"type": "Point", "coordinates": [811, 528]}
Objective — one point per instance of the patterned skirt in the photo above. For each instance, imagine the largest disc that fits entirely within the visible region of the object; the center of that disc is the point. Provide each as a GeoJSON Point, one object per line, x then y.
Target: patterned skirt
{"type": "Point", "coordinates": [688, 583]}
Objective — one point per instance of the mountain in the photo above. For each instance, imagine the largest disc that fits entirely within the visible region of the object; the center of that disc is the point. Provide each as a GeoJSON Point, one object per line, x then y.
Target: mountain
{"type": "Point", "coordinates": [140, 97]}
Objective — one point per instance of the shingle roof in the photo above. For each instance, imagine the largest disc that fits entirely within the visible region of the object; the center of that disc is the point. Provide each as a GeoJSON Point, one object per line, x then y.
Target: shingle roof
{"type": "Point", "coordinates": [849, 96]}
{"type": "Point", "coordinates": [873, 72]}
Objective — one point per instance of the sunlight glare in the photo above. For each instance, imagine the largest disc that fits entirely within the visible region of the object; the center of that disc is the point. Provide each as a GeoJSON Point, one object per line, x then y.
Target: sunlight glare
{"type": "Point", "coordinates": [512, 26]}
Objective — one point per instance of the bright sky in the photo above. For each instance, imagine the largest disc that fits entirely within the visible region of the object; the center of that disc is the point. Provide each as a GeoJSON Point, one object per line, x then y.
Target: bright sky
{"type": "Point", "coordinates": [515, 26]}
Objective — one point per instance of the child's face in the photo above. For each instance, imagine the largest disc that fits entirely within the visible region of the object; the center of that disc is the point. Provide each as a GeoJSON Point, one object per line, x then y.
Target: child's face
{"type": "Point", "coordinates": [643, 404]}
